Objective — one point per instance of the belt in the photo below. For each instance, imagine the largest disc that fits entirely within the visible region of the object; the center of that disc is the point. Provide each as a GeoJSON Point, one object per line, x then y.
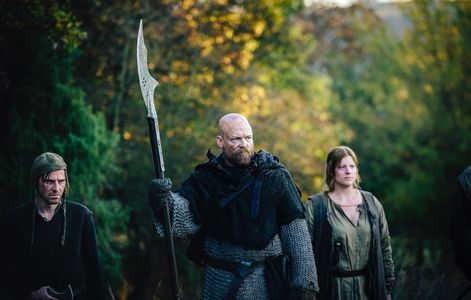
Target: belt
{"type": "Point", "coordinates": [352, 273]}
{"type": "Point", "coordinates": [241, 269]}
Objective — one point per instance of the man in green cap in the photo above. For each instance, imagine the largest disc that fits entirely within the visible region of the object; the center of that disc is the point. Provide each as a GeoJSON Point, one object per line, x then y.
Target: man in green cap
{"type": "Point", "coordinates": [49, 244]}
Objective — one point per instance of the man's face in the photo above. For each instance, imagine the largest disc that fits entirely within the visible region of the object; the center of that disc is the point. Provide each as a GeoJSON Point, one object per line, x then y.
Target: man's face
{"type": "Point", "coordinates": [236, 142]}
{"type": "Point", "coordinates": [52, 187]}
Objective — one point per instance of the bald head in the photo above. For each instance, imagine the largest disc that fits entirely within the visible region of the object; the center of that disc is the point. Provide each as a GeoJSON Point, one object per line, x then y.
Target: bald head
{"type": "Point", "coordinates": [231, 120]}
{"type": "Point", "coordinates": [235, 139]}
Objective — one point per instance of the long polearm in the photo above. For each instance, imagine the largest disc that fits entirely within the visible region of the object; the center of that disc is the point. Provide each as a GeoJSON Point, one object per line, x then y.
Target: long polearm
{"type": "Point", "coordinates": [148, 85]}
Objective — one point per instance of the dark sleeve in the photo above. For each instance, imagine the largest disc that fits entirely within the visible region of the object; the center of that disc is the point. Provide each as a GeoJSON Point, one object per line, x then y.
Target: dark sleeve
{"type": "Point", "coordinates": [310, 216]}
{"type": "Point", "coordinates": [460, 231]}
{"type": "Point", "coordinates": [290, 207]}
{"type": "Point", "coordinates": [197, 195]}
{"type": "Point", "coordinates": [5, 261]}
{"type": "Point", "coordinates": [93, 275]}
{"type": "Point", "coordinates": [386, 249]}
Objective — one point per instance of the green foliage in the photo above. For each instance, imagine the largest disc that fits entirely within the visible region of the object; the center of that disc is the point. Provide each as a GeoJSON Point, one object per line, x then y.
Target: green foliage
{"type": "Point", "coordinates": [406, 102]}
{"type": "Point", "coordinates": [112, 219]}
{"type": "Point", "coordinates": [210, 57]}
{"type": "Point", "coordinates": [403, 100]}
{"type": "Point", "coordinates": [308, 79]}
{"type": "Point", "coordinates": [437, 75]}
{"type": "Point", "coordinates": [42, 110]}
{"type": "Point", "coordinates": [435, 277]}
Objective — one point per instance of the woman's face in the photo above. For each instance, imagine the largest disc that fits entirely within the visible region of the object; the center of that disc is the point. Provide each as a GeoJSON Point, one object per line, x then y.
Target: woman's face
{"type": "Point", "coordinates": [346, 172]}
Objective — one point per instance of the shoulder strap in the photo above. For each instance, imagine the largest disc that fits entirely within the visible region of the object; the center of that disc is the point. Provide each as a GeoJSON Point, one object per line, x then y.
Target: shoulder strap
{"type": "Point", "coordinates": [226, 200]}
{"type": "Point", "coordinates": [249, 181]}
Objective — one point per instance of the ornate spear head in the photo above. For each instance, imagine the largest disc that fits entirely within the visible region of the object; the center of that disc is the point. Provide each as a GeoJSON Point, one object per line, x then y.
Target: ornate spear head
{"type": "Point", "coordinates": [147, 82]}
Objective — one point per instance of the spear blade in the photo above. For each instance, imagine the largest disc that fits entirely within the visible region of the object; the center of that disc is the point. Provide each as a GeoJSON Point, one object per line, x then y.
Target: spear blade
{"type": "Point", "coordinates": [148, 85]}
{"type": "Point", "coordinates": [146, 81]}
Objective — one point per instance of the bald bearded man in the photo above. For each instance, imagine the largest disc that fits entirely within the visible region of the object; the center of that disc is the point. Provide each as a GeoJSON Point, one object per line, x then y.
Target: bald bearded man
{"type": "Point", "coordinates": [247, 213]}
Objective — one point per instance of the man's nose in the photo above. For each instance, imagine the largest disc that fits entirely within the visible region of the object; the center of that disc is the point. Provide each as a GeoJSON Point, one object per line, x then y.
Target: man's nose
{"type": "Point", "coordinates": [244, 143]}
{"type": "Point", "coordinates": [56, 185]}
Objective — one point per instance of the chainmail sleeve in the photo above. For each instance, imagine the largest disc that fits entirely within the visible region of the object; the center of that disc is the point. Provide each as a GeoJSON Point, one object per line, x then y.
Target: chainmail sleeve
{"type": "Point", "coordinates": [183, 224]}
{"type": "Point", "coordinates": [297, 245]}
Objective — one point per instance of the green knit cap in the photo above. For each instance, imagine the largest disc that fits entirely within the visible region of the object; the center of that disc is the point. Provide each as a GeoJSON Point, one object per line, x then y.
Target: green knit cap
{"type": "Point", "coordinates": [46, 163]}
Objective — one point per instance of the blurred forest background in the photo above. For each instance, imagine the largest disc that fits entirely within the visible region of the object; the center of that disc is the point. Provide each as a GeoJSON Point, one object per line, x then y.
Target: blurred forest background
{"type": "Point", "coordinates": [392, 81]}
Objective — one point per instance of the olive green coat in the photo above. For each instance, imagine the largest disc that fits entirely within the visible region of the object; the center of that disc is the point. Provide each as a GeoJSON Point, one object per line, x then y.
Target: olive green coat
{"type": "Point", "coordinates": [357, 249]}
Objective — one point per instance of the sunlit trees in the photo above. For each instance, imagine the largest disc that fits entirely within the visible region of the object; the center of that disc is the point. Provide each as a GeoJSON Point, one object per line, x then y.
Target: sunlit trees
{"type": "Point", "coordinates": [307, 78]}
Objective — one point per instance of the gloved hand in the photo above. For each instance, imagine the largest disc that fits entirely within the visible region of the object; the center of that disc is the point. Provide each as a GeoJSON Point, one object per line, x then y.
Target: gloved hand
{"type": "Point", "coordinates": [299, 293]}
{"type": "Point", "coordinates": [160, 193]}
